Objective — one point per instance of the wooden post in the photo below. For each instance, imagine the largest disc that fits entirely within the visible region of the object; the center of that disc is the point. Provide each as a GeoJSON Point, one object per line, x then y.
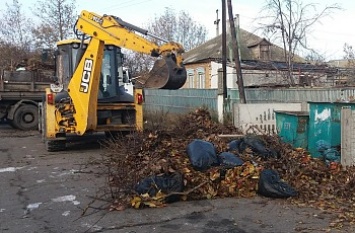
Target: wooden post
{"type": "Point", "coordinates": [222, 73]}
{"type": "Point", "coordinates": [236, 54]}
{"type": "Point", "coordinates": [220, 96]}
{"type": "Point", "coordinates": [224, 49]}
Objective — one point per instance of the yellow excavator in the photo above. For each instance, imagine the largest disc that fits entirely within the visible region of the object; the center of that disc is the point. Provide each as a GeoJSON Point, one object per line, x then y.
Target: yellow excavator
{"type": "Point", "coordinates": [90, 94]}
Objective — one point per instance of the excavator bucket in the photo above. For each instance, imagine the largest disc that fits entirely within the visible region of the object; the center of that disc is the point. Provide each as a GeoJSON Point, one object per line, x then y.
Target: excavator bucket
{"type": "Point", "coordinates": [165, 74]}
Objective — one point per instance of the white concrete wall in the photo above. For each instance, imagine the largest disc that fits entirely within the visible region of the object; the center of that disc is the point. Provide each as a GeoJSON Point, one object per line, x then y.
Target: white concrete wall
{"type": "Point", "coordinates": [231, 76]}
{"type": "Point", "coordinates": [347, 137]}
{"type": "Point", "coordinates": [248, 117]}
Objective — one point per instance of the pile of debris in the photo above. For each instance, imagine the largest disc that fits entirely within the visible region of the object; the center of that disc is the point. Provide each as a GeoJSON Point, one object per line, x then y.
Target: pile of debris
{"type": "Point", "coordinates": [155, 168]}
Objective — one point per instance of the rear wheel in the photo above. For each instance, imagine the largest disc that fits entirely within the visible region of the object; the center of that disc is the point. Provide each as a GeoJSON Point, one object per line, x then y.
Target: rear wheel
{"type": "Point", "coordinates": [26, 117]}
{"type": "Point", "coordinates": [11, 122]}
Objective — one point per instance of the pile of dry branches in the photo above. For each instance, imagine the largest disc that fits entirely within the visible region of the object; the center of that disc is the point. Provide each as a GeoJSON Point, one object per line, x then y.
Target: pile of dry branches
{"type": "Point", "coordinates": [131, 159]}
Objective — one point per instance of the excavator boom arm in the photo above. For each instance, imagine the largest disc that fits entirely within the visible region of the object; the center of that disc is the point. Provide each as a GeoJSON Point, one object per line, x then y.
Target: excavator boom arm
{"type": "Point", "coordinates": [107, 28]}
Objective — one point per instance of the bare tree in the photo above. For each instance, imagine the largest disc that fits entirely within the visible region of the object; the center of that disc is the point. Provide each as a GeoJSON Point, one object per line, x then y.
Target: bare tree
{"type": "Point", "coordinates": [171, 27]}
{"type": "Point", "coordinates": [165, 25]}
{"type": "Point", "coordinates": [46, 37]}
{"type": "Point", "coordinates": [14, 26]}
{"type": "Point", "coordinates": [291, 21]}
{"type": "Point", "coordinates": [179, 28]}
{"type": "Point", "coordinates": [350, 57]}
{"type": "Point", "coordinates": [138, 63]}
{"type": "Point", "coordinates": [314, 57]}
{"type": "Point", "coordinates": [15, 39]}
{"type": "Point", "coordinates": [349, 52]}
{"type": "Point", "coordinates": [57, 20]}
{"type": "Point", "coordinates": [189, 33]}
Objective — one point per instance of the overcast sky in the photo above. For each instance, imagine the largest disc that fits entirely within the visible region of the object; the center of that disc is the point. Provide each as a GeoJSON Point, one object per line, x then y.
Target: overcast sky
{"type": "Point", "coordinates": [328, 36]}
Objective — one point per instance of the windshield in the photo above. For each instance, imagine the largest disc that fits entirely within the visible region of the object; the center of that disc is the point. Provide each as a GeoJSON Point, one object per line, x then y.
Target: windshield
{"type": "Point", "coordinates": [108, 82]}
{"type": "Point", "coordinates": [111, 75]}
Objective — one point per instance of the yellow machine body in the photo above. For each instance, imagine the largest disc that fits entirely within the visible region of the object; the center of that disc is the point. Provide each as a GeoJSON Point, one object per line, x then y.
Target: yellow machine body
{"type": "Point", "coordinates": [91, 94]}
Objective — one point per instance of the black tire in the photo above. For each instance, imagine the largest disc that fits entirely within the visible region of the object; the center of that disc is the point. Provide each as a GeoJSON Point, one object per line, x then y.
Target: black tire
{"type": "Point", "coordinates": [11, 123]}
{"type": "Point", "coordinates": [26, 117]}
{"type": "Point", "coordinates": [55, 145]}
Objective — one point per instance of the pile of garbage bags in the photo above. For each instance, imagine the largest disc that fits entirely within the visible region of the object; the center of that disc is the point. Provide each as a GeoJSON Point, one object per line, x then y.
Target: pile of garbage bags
{"type": "Point", "coordinates": [203, 156]}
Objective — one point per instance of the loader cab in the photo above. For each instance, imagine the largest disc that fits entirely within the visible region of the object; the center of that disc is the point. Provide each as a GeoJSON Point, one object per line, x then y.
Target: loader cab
{"type": "Point", "coordinates": [112, 80]}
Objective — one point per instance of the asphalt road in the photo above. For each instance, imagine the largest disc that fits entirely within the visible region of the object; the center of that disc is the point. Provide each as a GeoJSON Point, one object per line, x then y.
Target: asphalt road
{"type": "Point", "coordinates": [48, 192]}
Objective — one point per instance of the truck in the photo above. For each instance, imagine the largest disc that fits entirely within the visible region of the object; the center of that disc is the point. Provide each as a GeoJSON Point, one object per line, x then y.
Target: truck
{"type": "Point", "coordinates": [20, 93]}
{"type": "Point", "coordinates": [92, 94]}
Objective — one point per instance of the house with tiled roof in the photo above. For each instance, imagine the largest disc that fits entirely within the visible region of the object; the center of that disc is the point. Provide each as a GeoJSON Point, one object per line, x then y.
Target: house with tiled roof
{"type": "Point", "coordinates": [262, 64]}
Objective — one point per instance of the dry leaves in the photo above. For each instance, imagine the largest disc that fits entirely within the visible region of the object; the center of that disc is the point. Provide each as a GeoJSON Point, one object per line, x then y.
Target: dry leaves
{"type": "Point", "coordinates": [326, 186]}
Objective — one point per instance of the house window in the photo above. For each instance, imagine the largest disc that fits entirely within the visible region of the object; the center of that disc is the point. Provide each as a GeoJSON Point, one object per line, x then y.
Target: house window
{"type": "Point", "coordinates": [190, 78]}
{"type": "Point", "coordinates": [190, 81]}
{"type": "Point", "coordinates": [264, 52]}
{"type": "Point", "coordinates": [201, 78]}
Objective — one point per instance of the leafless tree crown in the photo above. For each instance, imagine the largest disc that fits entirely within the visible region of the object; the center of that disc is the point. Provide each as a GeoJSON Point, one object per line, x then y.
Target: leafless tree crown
{"type": "Point", "coordinates": [291, 22]}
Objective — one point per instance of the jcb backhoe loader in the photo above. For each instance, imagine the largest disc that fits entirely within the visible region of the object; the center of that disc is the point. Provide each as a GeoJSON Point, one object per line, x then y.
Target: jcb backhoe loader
{"type": "Point", "coordinates": [91, 96]}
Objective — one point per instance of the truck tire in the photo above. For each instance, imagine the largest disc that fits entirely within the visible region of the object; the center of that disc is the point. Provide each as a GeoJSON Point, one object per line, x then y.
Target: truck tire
{"type": "Point", "coordinates": [26, 117]}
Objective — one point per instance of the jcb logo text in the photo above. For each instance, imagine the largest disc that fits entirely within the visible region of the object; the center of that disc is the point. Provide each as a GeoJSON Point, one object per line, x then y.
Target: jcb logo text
{"type": "Point", "coordinates": [86, 75]}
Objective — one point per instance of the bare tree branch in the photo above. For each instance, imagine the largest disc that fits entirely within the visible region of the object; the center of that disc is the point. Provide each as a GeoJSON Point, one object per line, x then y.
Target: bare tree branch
{"type": "Point", "coordinates": [14, 26]}
{"type": "Point", "coordinates": [15, 39]}
{"type": "Point", "coordinates": [292, 20]}
{"type": "Point", "coordinates": [57, 19]}
{"type": "Point", "coordinates": [180, 28]}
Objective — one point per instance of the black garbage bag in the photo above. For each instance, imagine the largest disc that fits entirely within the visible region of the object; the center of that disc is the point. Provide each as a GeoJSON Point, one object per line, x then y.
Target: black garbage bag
{"type": "Point", "coordinates": [167, 183]}
{"type": "Point", "coordinates": [270, 185]}
{"type": "Point", "coordinates": [234, 145]}
{"type": "Point", "coordinates": [258, 146]}
{"type": "Point", "coordinates": [331, 155]}
{"type": "Point", "coordinates": [229, 160]}
{"type": "Point", "coordinates": [327, 152]}
{"type": "Point", "coordinates": [202, 154]}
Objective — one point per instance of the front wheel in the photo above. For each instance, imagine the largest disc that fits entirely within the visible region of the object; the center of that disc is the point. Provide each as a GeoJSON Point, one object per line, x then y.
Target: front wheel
{"type": "Point", "coordinates": [26, 117]}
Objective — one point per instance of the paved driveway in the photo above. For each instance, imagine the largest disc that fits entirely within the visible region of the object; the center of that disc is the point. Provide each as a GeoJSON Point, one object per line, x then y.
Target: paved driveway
{"type": "Point", "coordinates": [48, 192]}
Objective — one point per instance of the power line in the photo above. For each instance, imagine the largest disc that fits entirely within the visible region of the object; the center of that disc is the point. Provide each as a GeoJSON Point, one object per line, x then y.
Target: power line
{"type": "Point", "coordinates": [115, 5]}
{"type": "Point", "coordinates": [124, 5]}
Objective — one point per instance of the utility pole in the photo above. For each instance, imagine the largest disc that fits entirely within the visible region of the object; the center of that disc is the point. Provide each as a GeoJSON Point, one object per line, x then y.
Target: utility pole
{"type": "Point", "coordinates": [224, 49]}
{"type": "Point", "coordinates": [236, 54]}
{"type": "Point", "coordinates": [222, 73]}
{"type": "Point", "coordinates": [217, 23]}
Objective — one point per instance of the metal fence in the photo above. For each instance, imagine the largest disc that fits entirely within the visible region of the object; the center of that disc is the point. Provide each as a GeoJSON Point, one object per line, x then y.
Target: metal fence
{"type": "Point", "coordinates": [185, 100]}
{"type": "Point", "coordinates": [298, 95]}
{"type": "Point", "coordinates": [179, 101]}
